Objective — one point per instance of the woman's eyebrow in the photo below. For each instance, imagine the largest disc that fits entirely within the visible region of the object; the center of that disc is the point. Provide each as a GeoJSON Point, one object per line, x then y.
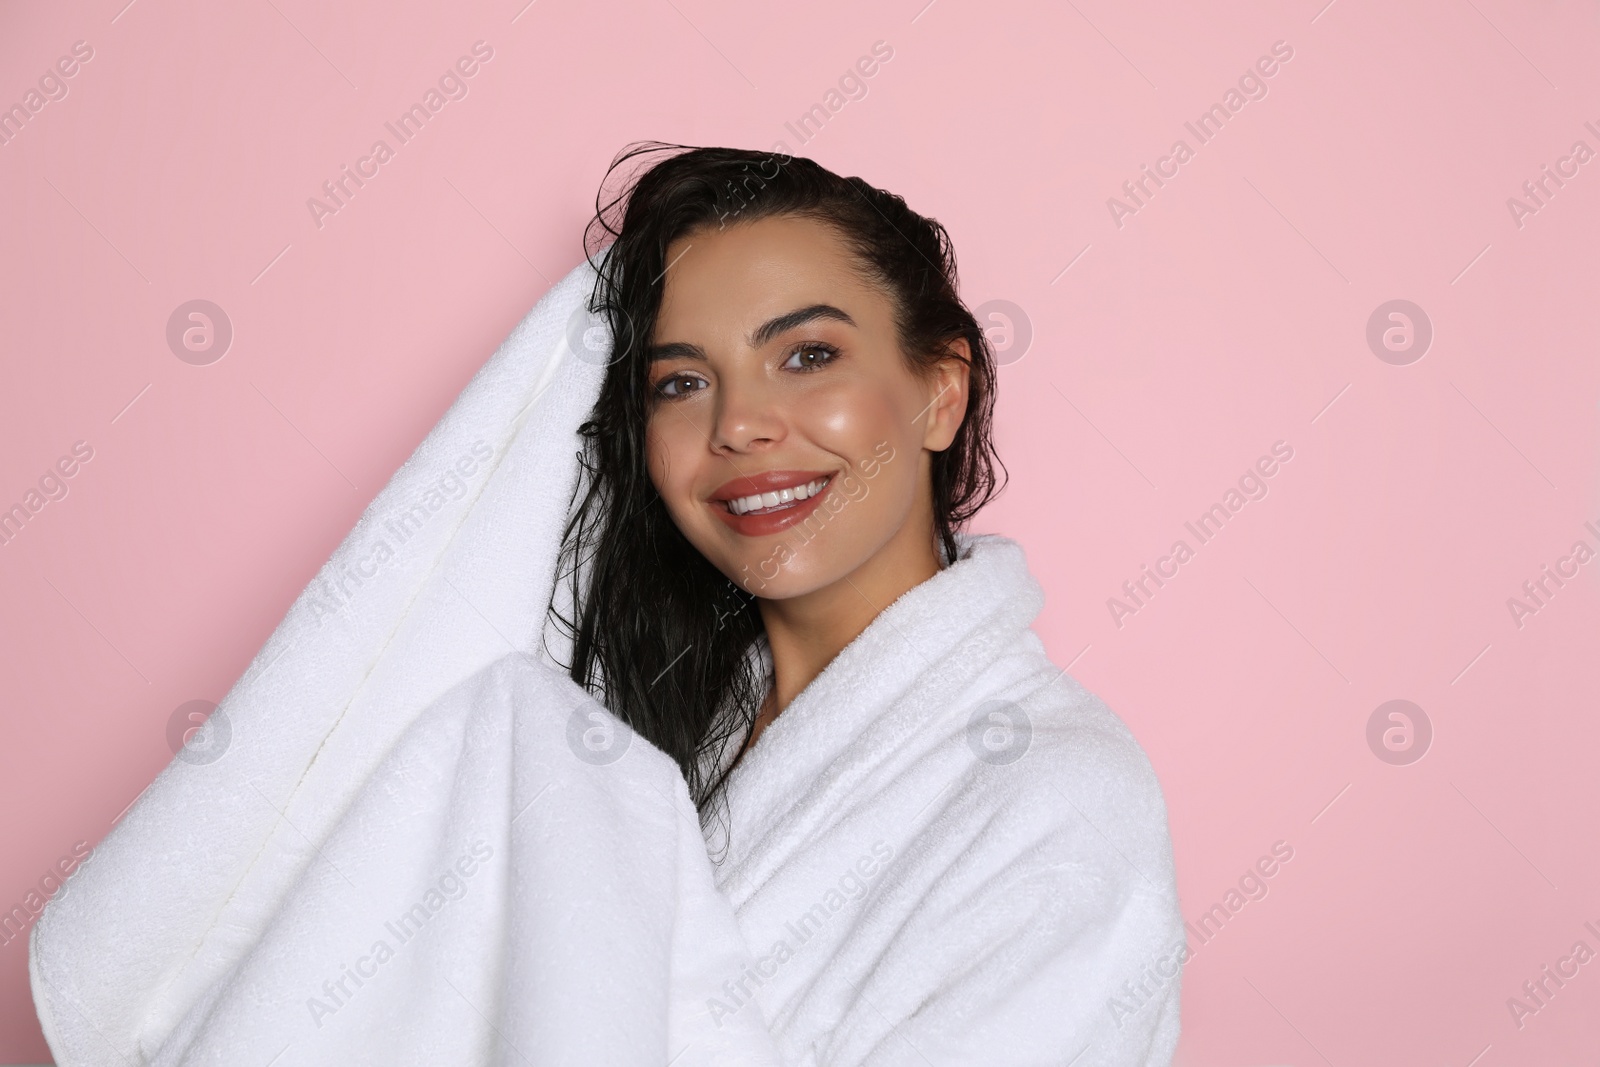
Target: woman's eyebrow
{"type": "Point", "coordinates": [762, 334]}
{"type": "Point", "coordinates": [798, 317]}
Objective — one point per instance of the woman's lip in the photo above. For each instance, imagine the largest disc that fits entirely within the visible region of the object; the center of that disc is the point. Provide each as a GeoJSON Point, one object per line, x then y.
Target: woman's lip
{"type": "Point", "coordinates": [766, 482]}
{"type": "Point", "coordinates": [766, 523]}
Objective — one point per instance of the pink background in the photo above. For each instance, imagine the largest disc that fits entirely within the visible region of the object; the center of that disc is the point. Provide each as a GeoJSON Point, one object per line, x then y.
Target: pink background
{"type": "Point", "coordinates": [1227, 313]}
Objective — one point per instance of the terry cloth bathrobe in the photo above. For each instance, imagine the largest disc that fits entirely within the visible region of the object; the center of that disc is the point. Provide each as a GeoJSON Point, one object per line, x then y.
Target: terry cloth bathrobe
{"type": "Point", "coordinates": [406, 837]}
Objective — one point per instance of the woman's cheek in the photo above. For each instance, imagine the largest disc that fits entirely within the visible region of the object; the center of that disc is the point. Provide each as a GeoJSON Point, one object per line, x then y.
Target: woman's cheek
{"type": "Point", "coordinates": [658, 460]}
{"type": "Point", "coordinates": [671, 461]}
{"type": "Point", "coordinates": [852, 416]}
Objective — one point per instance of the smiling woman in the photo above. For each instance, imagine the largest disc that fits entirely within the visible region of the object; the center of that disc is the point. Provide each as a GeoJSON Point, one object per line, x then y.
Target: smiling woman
{"type": "Point", "coordinates": [880, 655]}
{"type": "Point", "coordinates": [815, 336]}
{"type": "Point", "coordinates": [781, 776]}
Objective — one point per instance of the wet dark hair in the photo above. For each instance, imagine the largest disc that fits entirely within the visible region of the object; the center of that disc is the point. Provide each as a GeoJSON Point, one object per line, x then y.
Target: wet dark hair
{"type": "Point", "coordinates": [662, 636]}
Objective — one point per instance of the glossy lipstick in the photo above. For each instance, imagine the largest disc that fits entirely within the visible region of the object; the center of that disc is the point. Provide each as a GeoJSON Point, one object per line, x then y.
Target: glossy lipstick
{"type": "Point", "coordinates": [775, 486]}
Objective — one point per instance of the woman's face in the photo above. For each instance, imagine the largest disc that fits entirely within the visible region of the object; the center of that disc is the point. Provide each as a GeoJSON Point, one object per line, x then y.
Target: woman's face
{"type": "Point", "coordinates": [776, 369]}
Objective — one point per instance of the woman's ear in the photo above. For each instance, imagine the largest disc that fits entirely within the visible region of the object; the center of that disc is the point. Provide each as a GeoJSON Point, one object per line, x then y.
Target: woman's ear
{"type": "Point", "coordinates": [947, 396]}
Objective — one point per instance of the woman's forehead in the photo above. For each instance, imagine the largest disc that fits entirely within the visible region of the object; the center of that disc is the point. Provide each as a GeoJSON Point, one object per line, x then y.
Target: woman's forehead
{"type": "Point", "coordinates": [739, 280]}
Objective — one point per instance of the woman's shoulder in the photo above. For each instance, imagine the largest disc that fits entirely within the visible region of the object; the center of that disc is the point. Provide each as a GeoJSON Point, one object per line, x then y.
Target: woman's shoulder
{"type": "Point", "coordinates": [1043, 886]}
{"type": "Point", "coordinates": [1049, 755]}
{"type": "Point", "coordinates": [1045, 723]}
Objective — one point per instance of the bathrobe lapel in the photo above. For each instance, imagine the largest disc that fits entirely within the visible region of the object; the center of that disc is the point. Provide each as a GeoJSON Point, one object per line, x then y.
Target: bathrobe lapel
{"type": "Point", "coordinates": [873, 709]}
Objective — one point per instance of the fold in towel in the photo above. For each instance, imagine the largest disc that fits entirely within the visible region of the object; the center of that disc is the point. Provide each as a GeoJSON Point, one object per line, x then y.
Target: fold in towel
{"type": "Point", "coordinates": [424, 843]}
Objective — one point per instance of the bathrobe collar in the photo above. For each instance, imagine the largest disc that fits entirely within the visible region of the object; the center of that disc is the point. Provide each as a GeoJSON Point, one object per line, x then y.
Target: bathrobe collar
{"type": "Point", "coordinates": [938, 636]}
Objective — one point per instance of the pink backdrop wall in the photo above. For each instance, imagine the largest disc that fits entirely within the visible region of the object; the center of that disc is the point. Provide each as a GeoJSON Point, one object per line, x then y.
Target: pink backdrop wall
{"type": "Point", "coordinates": [1154, 352]}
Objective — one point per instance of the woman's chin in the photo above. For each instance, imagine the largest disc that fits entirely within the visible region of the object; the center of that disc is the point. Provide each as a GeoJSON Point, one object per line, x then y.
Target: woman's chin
{"type": "Point", "coordinates": [800, 571]}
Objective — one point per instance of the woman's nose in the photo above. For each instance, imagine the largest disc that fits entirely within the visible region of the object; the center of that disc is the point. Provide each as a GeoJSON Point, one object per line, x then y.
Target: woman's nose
{"type": "Point", "coordinates": [746, 413]}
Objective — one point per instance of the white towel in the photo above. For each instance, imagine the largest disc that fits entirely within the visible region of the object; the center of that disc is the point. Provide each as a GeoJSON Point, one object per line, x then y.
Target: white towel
{"type": "Point", "coordinates": [404, 837]}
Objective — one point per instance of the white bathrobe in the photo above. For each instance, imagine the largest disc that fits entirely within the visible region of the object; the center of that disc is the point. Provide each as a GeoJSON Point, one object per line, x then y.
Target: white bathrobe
{"type": "Point", "coordinates": [1015, 868]}
{"type": "Point", "coordinates": [406, 837]}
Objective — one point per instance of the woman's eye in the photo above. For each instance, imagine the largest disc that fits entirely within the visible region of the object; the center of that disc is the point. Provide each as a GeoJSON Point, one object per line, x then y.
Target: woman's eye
{"type": "Point", "coordinates": [662, 387]}
{"type": "Point", "coordinates": [825, 354]}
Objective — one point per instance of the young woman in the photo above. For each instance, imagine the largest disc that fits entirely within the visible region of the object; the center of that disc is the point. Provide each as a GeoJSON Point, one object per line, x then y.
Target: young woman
{"type": "Point", "coordinates": [776, 591]}
{"type": "Point", "coordinates": [868, 823]}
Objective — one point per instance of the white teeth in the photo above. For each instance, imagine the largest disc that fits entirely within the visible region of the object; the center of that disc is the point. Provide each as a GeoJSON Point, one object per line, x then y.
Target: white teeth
{"type": "Point", "coordinates": [781, 498]}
